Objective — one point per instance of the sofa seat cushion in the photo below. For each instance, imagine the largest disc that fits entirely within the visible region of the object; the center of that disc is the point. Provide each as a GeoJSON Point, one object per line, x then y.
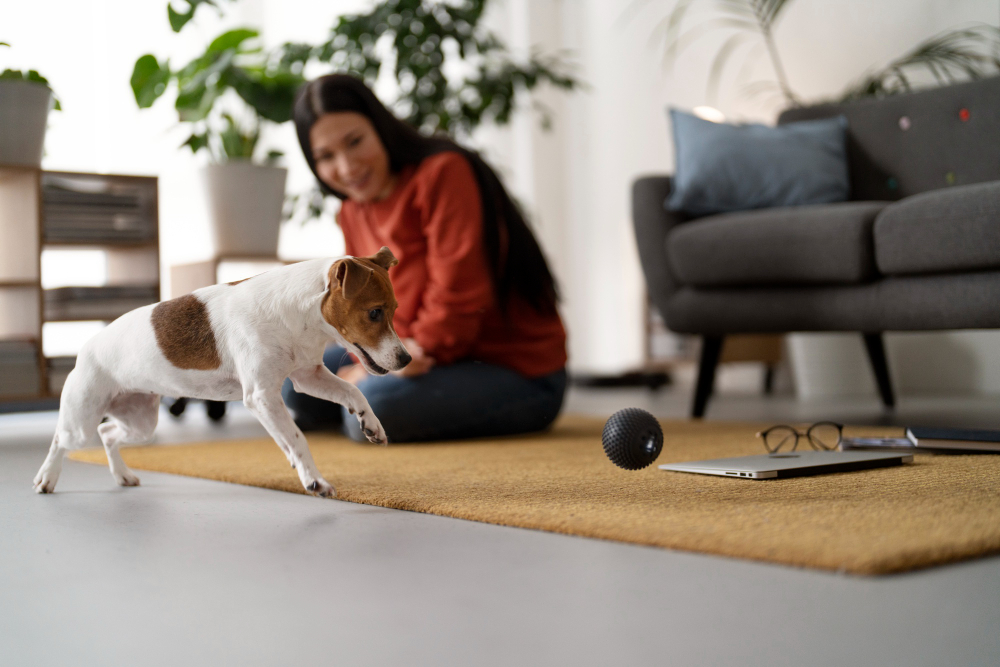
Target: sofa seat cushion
{"type": "Point", "coordinates": [955, 229]}
{"type": "Point", "coordinates": [826, 244]}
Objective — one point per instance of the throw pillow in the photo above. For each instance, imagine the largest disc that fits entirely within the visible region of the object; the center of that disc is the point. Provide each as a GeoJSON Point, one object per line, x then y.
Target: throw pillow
{"type": "Point", "coordinates": [721, 167]}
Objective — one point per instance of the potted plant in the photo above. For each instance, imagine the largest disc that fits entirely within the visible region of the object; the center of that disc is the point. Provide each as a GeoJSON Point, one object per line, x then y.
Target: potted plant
{"type": "Point", "coordinates": [226, 95]}
{"type": "Point", "coordinates": [25, 100]}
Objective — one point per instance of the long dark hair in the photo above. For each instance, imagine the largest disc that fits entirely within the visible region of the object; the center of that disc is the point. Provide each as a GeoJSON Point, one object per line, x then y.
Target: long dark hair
{"type": "Point", "coordinates": [508, 240]}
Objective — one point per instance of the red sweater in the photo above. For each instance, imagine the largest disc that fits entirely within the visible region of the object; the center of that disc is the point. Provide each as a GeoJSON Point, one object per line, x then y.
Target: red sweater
{"type": "Point", "coordinates": [432, 222]}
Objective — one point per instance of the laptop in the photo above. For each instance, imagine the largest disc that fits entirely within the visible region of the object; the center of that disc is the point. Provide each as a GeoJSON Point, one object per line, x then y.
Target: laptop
{"type": "Point", "coordinates": [791, 464]}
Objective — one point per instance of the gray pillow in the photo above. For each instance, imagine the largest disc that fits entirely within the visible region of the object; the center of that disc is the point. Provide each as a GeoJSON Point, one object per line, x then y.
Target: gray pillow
{"type": "Point", "coordinates": [722, 167]}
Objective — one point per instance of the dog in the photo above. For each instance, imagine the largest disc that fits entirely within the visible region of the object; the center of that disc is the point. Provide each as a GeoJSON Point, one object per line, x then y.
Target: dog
{"type": "Point", "coordinates": [231, 341]}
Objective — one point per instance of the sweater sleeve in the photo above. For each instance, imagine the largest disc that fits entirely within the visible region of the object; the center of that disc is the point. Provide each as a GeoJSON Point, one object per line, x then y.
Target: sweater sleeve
{"type": "Point", "coordinates": [459, 287]}
{"type": "Point", "coordinates": [345, 221]}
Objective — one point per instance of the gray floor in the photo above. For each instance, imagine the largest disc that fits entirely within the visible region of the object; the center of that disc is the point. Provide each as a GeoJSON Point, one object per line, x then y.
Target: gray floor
{"type": "Point", "coordinates": [191, 572]}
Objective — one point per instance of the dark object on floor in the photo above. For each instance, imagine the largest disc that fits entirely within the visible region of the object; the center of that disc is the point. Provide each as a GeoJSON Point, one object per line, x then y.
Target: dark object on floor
{"type": "Point", "coordinates": [632, 438]}
{"type": "Point", "coordinates": [906, 254]}
{"type": "Point", "coordinates": [652, 379]}
{"type": "Point", "coordinates": [216, 409]}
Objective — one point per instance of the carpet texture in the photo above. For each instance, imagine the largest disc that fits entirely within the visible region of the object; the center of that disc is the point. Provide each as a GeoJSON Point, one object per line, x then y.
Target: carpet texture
{"type": "Point", "coordinates": [935, 510]}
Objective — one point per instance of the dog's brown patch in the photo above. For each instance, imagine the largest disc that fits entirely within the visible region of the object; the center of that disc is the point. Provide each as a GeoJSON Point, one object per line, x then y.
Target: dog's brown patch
{"type": "Point", "coordinates": [184, 334]}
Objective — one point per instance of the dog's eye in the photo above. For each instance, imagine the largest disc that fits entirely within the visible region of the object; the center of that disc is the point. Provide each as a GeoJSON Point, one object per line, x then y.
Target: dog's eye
{"type": "Point", "coordinates": [375, 314]}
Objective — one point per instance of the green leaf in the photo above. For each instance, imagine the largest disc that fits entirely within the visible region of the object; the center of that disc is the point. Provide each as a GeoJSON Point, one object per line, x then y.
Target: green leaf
{"type": "Point", "coordinates": [197, 142]}
{"type": "Point", "coordinates": [231, 40]}
{"type": "Point", "coordinates": [149, 80]}
{"type": "Point", "coordinates": [179, 19]}
{"type": "Point", "coordinates": [270, 94]}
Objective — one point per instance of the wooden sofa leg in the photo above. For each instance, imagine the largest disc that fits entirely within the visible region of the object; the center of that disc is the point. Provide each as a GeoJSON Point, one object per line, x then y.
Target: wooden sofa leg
{"type": "Point", "coordinates": [711, 346]}
{"type": "Point", "coordinates": [876, 354]}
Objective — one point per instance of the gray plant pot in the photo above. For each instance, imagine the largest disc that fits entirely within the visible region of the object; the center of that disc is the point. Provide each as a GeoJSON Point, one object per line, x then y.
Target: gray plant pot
{"type": "Point", "coordinates": [24, 112]}
{"type": "Point", "coordinates": [245, 201]}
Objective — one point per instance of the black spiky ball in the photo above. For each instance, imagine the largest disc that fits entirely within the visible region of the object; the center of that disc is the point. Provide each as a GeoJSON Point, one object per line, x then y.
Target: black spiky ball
{"type": "Point", "coordinates": [632, 438]}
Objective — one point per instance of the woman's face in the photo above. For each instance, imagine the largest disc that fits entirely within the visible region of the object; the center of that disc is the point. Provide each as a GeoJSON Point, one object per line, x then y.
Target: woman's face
{"type": "Point", "coordinates": [350, 157]}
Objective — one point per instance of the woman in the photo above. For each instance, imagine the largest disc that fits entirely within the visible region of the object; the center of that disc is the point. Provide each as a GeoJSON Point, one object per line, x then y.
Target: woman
{"type": "Point", "coordinates": [477, 303]}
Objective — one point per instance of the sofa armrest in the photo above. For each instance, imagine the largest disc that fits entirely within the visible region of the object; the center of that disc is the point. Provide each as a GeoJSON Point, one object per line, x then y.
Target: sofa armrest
{"type": "Point", "coordinates": [652, 222]}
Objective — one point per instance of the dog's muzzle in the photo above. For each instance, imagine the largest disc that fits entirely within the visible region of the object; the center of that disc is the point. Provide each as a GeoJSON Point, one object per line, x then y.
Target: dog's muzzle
{"type": "Point", "coordinates": [371, 362]}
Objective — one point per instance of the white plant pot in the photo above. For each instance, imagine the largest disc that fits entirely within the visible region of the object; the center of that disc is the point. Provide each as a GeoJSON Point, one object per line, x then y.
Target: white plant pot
{"type": "Point", "coordinates": [245, 202]}
{"type": "Point", "coordinates": [24, 112]}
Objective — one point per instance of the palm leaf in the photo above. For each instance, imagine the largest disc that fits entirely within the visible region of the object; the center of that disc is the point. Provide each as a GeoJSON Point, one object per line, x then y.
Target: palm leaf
{"type": "Point", "coordinates": [721, 59]}
{"type": "Point", "coordinates": [971, 52]}
{"type": "Point", "coordinates": [743, 19]}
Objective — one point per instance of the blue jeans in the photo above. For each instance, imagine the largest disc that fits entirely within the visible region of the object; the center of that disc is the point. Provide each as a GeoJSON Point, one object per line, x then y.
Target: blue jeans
{"type": "Point", "coordinates": [468, 399]}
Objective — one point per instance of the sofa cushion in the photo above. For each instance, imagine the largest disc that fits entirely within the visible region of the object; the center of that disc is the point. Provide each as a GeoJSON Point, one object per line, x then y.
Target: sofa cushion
{"type": "Point", "coordinates": [825, 244]}
{"type": "Point", "coordinates": [955, 229]}
{"type": "Point", "coordinates": [722, 168]}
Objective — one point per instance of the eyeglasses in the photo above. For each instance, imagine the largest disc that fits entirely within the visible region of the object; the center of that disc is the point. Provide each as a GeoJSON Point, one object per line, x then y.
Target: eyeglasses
{"type": "Point", "coordinates": [821, 435]}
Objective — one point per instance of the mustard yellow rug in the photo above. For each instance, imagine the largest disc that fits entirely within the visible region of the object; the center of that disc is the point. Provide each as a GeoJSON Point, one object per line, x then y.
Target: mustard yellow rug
{"type": "Point", "coordinates": [935, 510]}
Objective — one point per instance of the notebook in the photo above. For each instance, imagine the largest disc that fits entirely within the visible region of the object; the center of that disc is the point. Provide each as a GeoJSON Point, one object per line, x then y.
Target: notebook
{"type": "Point", "coordinates": [968, 439]}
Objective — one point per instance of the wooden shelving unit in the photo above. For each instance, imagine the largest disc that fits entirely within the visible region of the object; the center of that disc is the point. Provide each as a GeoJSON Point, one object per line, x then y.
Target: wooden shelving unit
{"type": "Point", "coordinates": [41, 210]}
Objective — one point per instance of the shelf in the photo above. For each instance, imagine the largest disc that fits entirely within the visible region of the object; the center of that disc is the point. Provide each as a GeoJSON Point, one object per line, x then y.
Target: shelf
{"type": "Point", "coordinates": [26, 397]}
{"type": "Point", "coordinates": [98, 245]}
{"type": "Point", "coordinates": [19, 167]}
{"type": "Point", "coordinates": [103, 303]}
{"type": "Point", "coordinates": [68, 212]}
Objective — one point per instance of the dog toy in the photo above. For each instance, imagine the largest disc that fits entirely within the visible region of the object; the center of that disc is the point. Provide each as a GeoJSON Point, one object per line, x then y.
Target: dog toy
{"type": "Point", "coordinates": [632, 438]}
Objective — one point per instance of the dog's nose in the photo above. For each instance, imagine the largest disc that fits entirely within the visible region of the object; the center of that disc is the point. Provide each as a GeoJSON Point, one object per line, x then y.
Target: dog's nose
{"type": "Point", "coordinates": [403, 358]}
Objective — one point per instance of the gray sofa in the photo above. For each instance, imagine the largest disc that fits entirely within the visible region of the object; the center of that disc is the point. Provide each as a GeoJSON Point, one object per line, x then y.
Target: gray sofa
{"type": "Point", "coordinates": [917, 248]}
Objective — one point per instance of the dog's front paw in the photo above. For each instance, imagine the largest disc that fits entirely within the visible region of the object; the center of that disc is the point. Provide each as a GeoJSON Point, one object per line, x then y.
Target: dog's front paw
{"type": "Point", "coordinates": [372, 428]}
{"type": "Point", "coordinates": [127, 478]}
{"type": "Point", "coordinates": [322, 488]}
{"type": "Point", "coordinates": [45, 482]}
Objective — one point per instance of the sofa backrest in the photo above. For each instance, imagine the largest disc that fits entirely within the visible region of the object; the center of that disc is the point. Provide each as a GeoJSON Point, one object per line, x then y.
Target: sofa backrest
{"type": "Point", "coordinates": [914, 142]}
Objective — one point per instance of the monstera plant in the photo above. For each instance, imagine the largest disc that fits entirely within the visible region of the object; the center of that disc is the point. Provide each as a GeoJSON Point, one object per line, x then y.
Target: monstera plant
{"type": "Point", "coordinates": [225, 96]}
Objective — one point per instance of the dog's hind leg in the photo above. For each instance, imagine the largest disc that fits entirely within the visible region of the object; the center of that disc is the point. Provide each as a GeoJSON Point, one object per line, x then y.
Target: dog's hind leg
{"type": "Point", "coordinates": [133, 420]}
{"type": "Point", "coordinates": [80, 411]}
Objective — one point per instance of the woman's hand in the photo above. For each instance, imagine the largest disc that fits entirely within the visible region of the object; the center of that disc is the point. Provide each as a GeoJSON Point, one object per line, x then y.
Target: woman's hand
{"type": "Point", "coordinates": [420, 364]}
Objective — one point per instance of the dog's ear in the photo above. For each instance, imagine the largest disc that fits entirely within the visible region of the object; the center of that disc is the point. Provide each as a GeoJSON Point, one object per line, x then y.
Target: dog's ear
{"type": "Point", "coordinates": [384, 258]}
{"type": "Point", "coordinates": [350, 276]}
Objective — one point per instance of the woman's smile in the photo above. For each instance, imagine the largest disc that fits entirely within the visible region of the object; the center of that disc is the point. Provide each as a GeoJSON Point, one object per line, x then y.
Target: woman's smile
{"type": "Point", "coordinates": [350, 157]}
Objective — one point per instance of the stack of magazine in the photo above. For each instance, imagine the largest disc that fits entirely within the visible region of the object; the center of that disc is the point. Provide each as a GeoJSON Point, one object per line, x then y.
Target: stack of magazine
{"type": "Point", "coordinates": [18, 368]}
{"type": "Point", "coordinates": [97, 303]}
{"type": "Point", "coordinates": [78, 209]}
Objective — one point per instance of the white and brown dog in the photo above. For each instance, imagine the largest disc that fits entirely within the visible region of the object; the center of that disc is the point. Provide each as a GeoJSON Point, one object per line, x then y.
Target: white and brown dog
{"type": "Point", "coordinates": [232, 341]}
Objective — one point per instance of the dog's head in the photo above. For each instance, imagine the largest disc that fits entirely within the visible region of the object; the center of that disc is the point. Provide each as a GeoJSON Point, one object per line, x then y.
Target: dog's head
{"type": "Point", "coordinates": [360, 304]}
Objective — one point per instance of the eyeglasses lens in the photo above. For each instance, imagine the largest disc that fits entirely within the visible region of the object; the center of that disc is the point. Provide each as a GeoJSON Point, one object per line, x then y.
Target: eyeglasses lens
{"type": "Point", "coordinates": [825, 436]}
{"type": "Point", "coordinates": [780, 437]}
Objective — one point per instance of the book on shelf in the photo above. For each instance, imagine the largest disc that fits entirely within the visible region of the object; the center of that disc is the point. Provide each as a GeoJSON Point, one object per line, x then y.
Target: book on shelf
{"type": "Point", "coordinates": [79, 208]}
{"type": "Point", "coordinates": [99, 303]}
